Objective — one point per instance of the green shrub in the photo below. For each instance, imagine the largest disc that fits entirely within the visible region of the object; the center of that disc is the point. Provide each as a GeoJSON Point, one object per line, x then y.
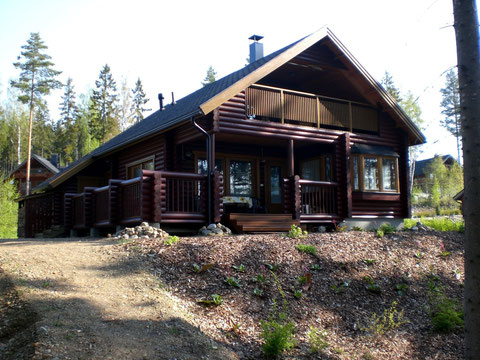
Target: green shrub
{"type": "Point", "coordinates": [9, 208]}
{"type": "Point", "coordinates": [171, 240]}
{"type": "Point", "coordinates": [296, 232]}
{"type": "Point", "coordinates": [307, 249]}
{"type": "Point", "coordinates": [438, 223]}
{"type": "Point", "coordinates": [233, 282]}
{"type": "Point", "coordinates": [317, 339]}
{"type": "Point", "coordinates": [446, 314]}
{"type": "Point", "coordinates": [278, 335]}
{"type": "Point", "coordinates": [390, 320]}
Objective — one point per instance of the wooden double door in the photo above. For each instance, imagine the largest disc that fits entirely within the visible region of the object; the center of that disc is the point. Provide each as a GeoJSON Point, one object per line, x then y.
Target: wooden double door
{"type": "Point", "coordinates": [274, 174]}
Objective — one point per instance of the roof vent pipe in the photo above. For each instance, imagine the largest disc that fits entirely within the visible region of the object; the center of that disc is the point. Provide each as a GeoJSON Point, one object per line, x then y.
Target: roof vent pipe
{"type": "Point", "coordinates": [173, 99]}
{"type": "Point", "coordinates": [160, 100]}
{"type": "Point", "coordinates": [256, 48]}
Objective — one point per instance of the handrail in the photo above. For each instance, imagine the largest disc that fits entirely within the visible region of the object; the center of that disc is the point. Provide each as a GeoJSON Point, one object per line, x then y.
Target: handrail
{"type": "Point", "coordinates": [319, 183]}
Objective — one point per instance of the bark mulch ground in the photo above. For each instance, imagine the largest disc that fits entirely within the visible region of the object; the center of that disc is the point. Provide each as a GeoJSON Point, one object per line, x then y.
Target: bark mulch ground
{"type": "Point", "coordinates": [353, 276]}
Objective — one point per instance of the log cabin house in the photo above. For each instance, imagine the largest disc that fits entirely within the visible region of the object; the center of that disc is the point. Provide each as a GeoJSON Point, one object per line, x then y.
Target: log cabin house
{"type": "Point", "coordinates": [302, 136]}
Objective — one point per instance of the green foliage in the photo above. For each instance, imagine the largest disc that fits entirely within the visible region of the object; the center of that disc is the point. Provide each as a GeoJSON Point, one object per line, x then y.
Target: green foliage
{"type": "Point", "coordinates": [278, 335]}
{"type": "Point", "coordinates": [450, 105]}
{"type": "Point", "coordinates": [369, 262]}
{"type": "Point", "coordinates": [446, 314]}
{"type": "Point", "coordinates": [379, 233]}
{"type": "Point", "coordinates": [239, 268]}
{"type": "Point", "coordinates": [233, 282]}
{"type": "Point", "coordinates": [390, 320]}
{"type": "Point", "coordinates": [438, 223]}
{"type": "Point", "coordinates": [296, 232]}
{"type": "Point", "coordinates": [104, 123]}
{"type": "Point", "coordinates": [372, 286]}
{"type": "Point", "coordinates": [258, 292]}
{"type": "Point", "coordinates": [401, 288]}
{"type": "Point", "coordinates": [271, 267]}
{"type": "Point", "coordinates": [138, 102]}
{"type": "Point", "coordinates": [210, 77]}
{"type": "Point", "coordinates": [215, 300]}
{"type": "Point", "coordinates": [390, 87]}
{"type": "Point", "coordinates": [387, 228]}
{"type": "Point", "coordinates": [297, 293]}
{"type": "Point", "coordinates": [201, 268]}
{"type": "Point", "coordinates": [171, 240]}
{"type": "Point", "coordinates": [307, 249]}
{"type": "Point", "coordinates": [260, 279]}
{"type": "Point", "coordinates": [317, 339]}
{"type": "Point", "coordinates": [302, 280]}
{"type": "Point", "coordinates": [341, 287]}
{"type": "Point", "coordinates": [315, 267]}
{"type": "Point", "coordinates": [357, 228]}
{"type": "Point", "coordinates": [9, 208]}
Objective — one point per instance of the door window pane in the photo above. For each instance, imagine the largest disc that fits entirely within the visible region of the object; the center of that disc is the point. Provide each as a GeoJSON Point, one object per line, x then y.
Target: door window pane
{"type": "Point", "coordinates": [311, 170]}
{"type": "Point", "coordinates": [356, 185]}
{"type": "Point", "coordinates": [240, 178]}
{"type": "Point", "coordinates": [328, 169]}
{"type": "Point", "coordinates": [371, 173]}
{"type": "Point", "coordinates": [202, 166]}
{"type": "Point", "coordinates": [275, 184]}
{"type": "Point", "coordinates": [388, 174]}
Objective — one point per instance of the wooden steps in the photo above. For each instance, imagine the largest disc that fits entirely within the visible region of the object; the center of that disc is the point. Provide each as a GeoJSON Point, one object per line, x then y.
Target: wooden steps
{"type": "Point", "coordinates": [261, 222]}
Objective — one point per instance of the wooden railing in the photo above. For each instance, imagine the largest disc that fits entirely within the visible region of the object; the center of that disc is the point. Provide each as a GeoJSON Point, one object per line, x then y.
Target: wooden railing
{"type": "Point", "coordinates": [136, 197]}
{"type": "Point", "coordinates": [82, 209]}
{"type": "Point", "coordinates": [294, 107]}
{"type": "Point", "coordinates": [310, 201]}
{"type": "Point", "coordinates": [38, 214]}
{"type": "Point", "coordinates": [105, 201]}
{"type": "Point", "coordinates": [180, 197]}
{"type": "Point", "coordinates": [318, 197]}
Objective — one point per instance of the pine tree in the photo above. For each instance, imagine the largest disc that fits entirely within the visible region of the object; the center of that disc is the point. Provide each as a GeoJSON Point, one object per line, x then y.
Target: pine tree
{"type": "Point", "coordinates": [36, 80]}
{"type": "Point", "coordinates": [65, 132]}
{"type": "Point", "coordinates": [390, 87]}
{"type": "Point", "coordinates": [451, 108]}
{"type": "Point", "coordinates": [139, 100]}
{"type": "Point", "coordinates": [104, 123]}
{"type": "Point", "coordinates": [85, 142]}
{"type": "Point", "coordinates": [210, 77]}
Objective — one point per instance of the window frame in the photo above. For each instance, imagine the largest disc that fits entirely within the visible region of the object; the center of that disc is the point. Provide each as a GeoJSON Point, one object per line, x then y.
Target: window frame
{"type": "Point", "coordinates": [360, 160]}
{"type": "Point", "coordinates": [322, 167]}
{"type": "Point", "coordinates": [135, 163]}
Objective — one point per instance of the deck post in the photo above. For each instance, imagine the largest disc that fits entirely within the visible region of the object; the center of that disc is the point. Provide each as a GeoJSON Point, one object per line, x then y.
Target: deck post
{"type": "Point", "coordinates": [217, 196]}
{"type": "Point", "coordinates": [347, 176]}
{"type": "Point", "coordinates": [291, 164]}
{"type": "Point", "coordinates": [296, 196]}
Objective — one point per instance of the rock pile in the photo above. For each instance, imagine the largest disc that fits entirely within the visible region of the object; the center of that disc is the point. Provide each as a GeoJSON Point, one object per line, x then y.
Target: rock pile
{"type": "Point", "coordinates": [420, 227]}
{"type": "Point", "coordinates": [214, 230]}
{"type": "Point", "coordinates": [143, 230]}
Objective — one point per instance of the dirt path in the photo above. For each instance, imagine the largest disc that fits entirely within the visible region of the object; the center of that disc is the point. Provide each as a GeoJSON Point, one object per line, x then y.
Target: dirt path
{"type": "Point", "coordinates": [90, 300]}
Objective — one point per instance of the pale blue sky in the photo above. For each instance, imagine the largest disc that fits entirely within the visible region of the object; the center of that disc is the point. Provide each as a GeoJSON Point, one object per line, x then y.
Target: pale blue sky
{"type": "Point", "coordinates": [170, 44]}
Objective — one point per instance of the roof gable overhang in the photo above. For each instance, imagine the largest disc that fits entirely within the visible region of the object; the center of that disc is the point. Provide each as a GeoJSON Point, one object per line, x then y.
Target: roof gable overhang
{"type": "Point", "coordinates": [363, 80]}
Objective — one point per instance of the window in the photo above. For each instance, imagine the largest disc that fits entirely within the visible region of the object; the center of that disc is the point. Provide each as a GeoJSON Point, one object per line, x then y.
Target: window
{"type": "Point", "coordinates": [374, 173]}
{"type": "Point", "coordinates": [318, 169]}
{"type": "Point", "coordinates": [135, 169]}
{"type": "Point", "coordinates": [240, 178]}
{"type": "Point", "coordinates": [202, 166]}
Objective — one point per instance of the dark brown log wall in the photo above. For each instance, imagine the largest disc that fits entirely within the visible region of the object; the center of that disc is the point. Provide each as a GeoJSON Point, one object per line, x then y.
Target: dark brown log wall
{"type": "Point", "coordinates": [155, 146]}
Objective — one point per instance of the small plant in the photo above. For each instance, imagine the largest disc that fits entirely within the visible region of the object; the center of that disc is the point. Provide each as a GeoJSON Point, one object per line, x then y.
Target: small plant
{"type": "Point", "coordinates": [338, 227]}
{"type": "Point", "coordinates": [371, 286]}
{"type": "Point", "coordinates": [317, 339]}
{"type": "Point", "coordinates": [367, 356]}
{"type": "Point", "coordinates": [387, 228]}
{"type": "Point", "coordinates": [233, 282]}
{"type": "Point", "coordinates": [379, 233]}
{"type": "Point", "coordinates": [239, 268]}
{"type": "Point", "coordinates": [444, 254]}
{"type": "Point", "coordinates": [296, 232]}
{"type": "Point", "coordinates": [278, 335]}
{"type": "Point", "coordinates": [271, 267]}
{"type": "Point", "coordinates": [401, 288]}
{"type": "Point", "coordinates": [369, 262]}
{"type": "Point", "coordinates": [307, 249]}
{"type": "Point", "coordinates": [302, 280]}
{"type": "Point", "coordinates": [297, 293]}
{"type": "Point", "coordinates": [260, 279]}
{"type": "Point", "coordinates": [171, 240]}
{"type": "Point", "coordinates": [258, 292]}
{"type": "Point", "coordinates": [340, 287]}
{"type": "Point", "coordinates": [390, 320]}
{"type": "Point", "coordinates": [215, 300]}
{"type": "Point", "coordinates": [315, 267]}
{"type": "Point", "coordinates": [446, 313]}
{"type": "Point", "coordinates": [46, 284]}
{"type": "Point", "coordinates": [418, 255]}
{"type": "Point", "coordinates": [201, 268]}
{"type": "Point", "coordinates": [357, 228]}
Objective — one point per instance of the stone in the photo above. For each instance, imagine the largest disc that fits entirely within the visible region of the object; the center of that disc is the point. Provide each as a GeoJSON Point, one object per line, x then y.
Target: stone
{"type": "Point", "coordinates": [219, 226]}
{"type": "Point", "coordinates": [211, 226]}
{"type": "Point", "coordinates": [322, 229]}
{"type": "Point", "coordinates": [134, 236]}
{"type": "Point", "coordinates": [125, 237]}
{"type": "Point", "coordinates": [217, 231]}
{"type": "Point", "coordinates": [414, 228]}
{"type": "Point", "coordinates": [144, 224]}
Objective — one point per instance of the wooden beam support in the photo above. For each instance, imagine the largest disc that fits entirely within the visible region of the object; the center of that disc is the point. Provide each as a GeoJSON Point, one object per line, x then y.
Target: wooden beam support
{"type": "Point", "coordinates": [291, 160]}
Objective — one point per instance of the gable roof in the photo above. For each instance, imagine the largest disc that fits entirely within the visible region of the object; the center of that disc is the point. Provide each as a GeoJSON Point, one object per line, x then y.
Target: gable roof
{"type": "Point", "coordinates": [206, 99]}
{"type": "Point", "coordinates": [47, 164]}
{"type": "Point", "coordinates": [421, 165]}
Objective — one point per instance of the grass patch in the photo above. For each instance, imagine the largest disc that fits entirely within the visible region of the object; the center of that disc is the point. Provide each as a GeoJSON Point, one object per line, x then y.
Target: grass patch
{"type": "Point", "coordinates": [307, 249]}
{"type": "Point", "coordinates": [438, 223]}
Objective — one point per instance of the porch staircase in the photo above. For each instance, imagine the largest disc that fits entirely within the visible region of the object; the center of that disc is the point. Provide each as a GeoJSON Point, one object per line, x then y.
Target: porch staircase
{"type": "Point", "coordinates": [248, 222]}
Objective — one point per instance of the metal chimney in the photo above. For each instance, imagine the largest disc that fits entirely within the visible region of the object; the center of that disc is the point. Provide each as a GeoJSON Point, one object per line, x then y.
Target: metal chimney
{"type": "Point", "coordinates": [256, 48]}
{"type": "Point", "coordinates": [160, 100]}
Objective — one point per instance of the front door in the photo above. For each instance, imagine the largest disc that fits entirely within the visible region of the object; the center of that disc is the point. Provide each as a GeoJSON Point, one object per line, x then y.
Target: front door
{"type": "Point", "coordinates": [274, 173]}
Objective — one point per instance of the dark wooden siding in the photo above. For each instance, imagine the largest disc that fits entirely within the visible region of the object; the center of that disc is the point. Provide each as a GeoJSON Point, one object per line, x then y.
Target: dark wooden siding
{"type": "Point", "coordinates": [154, 146]}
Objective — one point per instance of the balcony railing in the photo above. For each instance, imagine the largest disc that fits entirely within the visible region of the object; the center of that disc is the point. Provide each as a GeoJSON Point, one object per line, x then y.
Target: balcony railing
{"type": "Point", "coordinates": [294, 107]}
{"type": "Point", "coordinates": [310, 201]}
{"type": "Point", "coordinates": [104, 202]}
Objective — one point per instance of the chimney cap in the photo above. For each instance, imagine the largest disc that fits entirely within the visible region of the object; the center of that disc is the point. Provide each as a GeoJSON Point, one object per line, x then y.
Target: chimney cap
{"type": "Point", "coordinates": [255, 37]}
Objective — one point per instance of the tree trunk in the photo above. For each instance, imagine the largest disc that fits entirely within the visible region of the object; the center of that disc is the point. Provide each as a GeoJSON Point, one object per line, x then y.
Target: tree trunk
{"type": "Point", "coordinates": [466, 32]}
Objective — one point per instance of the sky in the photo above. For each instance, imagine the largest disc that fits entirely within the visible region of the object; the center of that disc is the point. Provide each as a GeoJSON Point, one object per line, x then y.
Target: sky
{"type": "Point", "coordinates": [170, 44]}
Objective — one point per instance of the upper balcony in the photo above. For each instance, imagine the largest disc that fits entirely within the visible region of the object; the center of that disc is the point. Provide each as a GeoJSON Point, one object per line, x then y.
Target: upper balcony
{"type": "Point", "coordinates": [284, 106]}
